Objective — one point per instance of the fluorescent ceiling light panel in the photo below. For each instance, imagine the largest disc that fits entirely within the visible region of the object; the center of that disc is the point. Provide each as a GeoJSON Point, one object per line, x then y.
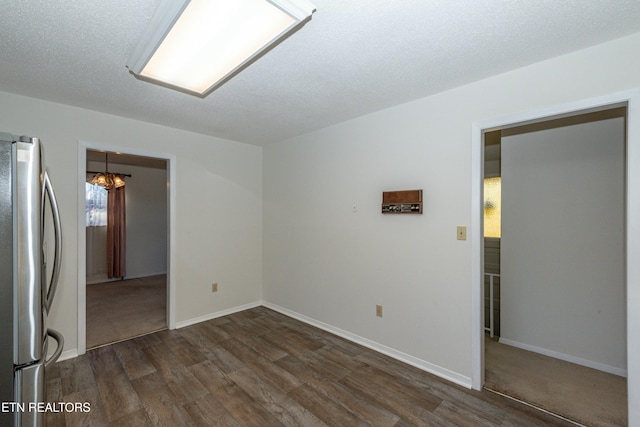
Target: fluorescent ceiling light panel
{"type": "Point", "coordinates": [194, 45]}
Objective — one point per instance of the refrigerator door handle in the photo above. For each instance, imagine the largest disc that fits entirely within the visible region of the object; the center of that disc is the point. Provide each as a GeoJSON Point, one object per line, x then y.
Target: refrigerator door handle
{"type": "Point", "coordinates": [56, 354]}
{"type": "Point", "coordinates": [55, 273]}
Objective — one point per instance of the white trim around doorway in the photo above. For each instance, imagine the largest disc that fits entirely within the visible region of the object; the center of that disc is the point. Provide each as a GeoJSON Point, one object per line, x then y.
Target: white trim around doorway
{"type": "Point", "coordinates": [629, 98]}
{"type": "Point", "coordinates": [83, 146]}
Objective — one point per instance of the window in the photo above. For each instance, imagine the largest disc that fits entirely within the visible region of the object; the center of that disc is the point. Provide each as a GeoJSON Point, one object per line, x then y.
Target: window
{"type": "Point", "coordinates": [492, 206]}
{"type": "Point", "coordinates": [96, 205]}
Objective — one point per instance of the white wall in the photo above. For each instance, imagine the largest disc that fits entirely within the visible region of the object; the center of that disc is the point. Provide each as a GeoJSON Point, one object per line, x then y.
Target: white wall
{"type": "Point", "coordinates": [213, 242]}
{"type": "Point", "coordinates": [321, 259]}
{"type": "Point", "coordinates": [325, 262]}
{"type": "Point", "coordinates": [146, 205]}
{"type": "Point", "coordinates": [563, 269]}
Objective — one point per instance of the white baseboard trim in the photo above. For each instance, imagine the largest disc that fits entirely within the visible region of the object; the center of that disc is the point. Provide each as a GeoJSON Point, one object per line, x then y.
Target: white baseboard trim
{"type": "Point", "coordinates": [566, 357]}
{"type": "Point", "coordinates": [69, 354]}
{"type": "Point", "coordinates": [217, 314]}
{"type": "Point", "coordinates": [141, 275]}
{"type": "Point", "coordinates": [393, 353]}
{"type": "Point", "coordinates": [117, 279]}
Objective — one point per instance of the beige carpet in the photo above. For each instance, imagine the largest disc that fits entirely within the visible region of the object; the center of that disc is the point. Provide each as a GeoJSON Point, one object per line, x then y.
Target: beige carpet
{"type": "Point", "coordinates": [125, 309]}
{"type": "Point", "coordinates": [581, 394]}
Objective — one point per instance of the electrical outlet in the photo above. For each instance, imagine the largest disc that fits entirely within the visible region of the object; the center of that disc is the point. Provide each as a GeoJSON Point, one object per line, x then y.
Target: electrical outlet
{"type": "Point", "coordinates": [214, 287]}
{"type": "Point", "coordinates": [462, 232]}
{"type": "Point", "coordinates": [379, 310]}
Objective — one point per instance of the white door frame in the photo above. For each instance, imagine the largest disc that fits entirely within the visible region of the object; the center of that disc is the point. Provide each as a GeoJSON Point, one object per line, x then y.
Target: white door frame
{"type": "Point", "coordinates": [83, 146]}
{"type": "Point", "coordinates": [629, 98]}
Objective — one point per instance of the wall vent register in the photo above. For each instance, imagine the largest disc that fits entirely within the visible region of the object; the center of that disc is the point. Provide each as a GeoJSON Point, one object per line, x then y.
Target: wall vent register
{"type": "Point", "coordinates": [402, 202]}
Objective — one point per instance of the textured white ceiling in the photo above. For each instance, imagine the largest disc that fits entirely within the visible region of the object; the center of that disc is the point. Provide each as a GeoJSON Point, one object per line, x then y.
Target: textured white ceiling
{"type": "Point", "coordinates": [354, 57]}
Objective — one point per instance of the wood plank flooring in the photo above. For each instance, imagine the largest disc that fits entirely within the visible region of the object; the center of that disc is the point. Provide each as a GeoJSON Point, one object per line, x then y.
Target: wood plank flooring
{"type": "Point", "coordinates": [261, 368]}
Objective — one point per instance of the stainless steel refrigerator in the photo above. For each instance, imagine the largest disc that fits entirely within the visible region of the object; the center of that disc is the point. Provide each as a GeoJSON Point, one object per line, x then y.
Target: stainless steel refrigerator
{"type": "Point", "coordinates": [26, 287]}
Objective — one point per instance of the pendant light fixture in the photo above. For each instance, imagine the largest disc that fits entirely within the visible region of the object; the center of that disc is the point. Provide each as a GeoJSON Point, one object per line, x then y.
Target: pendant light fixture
{"type": "Point", "coordinates": [106, 179]}
{"type": "Point", "coordinates": [196, 45]}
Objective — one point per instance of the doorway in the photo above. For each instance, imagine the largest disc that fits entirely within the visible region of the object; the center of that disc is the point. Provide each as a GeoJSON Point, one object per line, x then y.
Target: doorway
{"type": "Point", "coordinates": [126, 250]}
{"type": "Point", "coordinates": [561, 340]}
{"type": "Point", "coordinates": [137, 298]}
{"type": "Point", "coordinates": [629, 99]}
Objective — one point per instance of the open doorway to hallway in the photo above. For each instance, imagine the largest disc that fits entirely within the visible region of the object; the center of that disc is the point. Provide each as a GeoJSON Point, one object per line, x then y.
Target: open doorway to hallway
{"type": "Point", "coordinates": [554, 274]}
{"type": "Point", "coordinates": [126, 275]}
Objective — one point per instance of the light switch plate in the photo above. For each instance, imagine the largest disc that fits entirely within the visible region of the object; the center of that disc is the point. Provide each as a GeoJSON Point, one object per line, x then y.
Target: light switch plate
{"type": "Point", "coordinates": [462, 232]}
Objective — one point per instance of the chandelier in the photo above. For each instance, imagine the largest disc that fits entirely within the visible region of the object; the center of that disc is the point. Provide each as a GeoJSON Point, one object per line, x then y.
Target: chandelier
{"type": "Point", "coordinates": [106, 179]}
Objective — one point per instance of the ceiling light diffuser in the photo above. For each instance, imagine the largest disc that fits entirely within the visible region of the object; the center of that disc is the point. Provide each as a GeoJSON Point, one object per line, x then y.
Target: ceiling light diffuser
{"type": "Point", "coordinates": [196, 45]}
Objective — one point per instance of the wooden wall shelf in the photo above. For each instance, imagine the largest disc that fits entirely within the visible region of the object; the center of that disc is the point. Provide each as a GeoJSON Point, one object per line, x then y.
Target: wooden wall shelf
{"type": "Point", "coordinates": [402, 202]}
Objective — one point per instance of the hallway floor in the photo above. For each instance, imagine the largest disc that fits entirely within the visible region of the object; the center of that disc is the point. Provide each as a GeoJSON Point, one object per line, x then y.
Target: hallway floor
{"type": "Point", "coordinates": [581, 394]}
{"type": "Point", "coordinates": [124, 309]}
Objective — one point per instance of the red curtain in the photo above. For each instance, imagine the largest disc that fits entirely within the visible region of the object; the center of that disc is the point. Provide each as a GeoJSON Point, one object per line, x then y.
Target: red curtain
{"type": "Point", "coordinates": [116, 233]}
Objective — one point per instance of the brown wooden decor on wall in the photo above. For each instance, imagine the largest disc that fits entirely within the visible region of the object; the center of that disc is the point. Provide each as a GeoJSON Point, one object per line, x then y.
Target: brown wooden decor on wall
{"type": "Point", "coordinates": [402, 202]}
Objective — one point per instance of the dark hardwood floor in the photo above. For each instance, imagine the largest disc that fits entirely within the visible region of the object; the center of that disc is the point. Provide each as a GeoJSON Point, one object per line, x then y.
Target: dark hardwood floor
{"type": "Point", "coordinates": [261, 368]}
